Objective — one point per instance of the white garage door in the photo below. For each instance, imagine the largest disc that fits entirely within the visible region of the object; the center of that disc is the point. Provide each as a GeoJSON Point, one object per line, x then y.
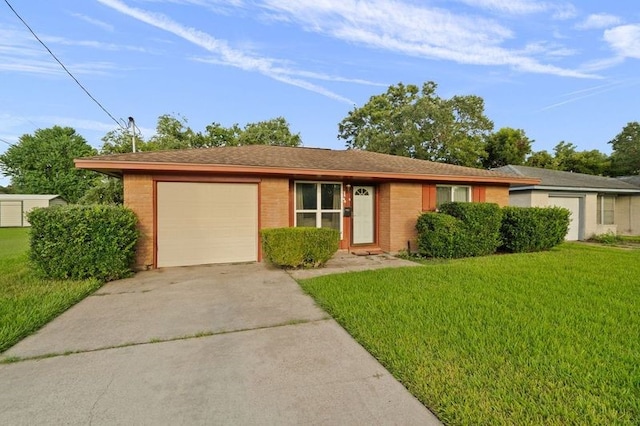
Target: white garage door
{"type": "Point", "coordinates": [573, 205]}
{"type": "Point", "coordinates": [201, 223]}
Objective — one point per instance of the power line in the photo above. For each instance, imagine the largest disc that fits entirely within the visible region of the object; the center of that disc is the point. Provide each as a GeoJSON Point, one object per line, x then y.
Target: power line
{"type": "Point", "coordinates": [61, 64]}
{"type": "Point", "coordinates": [6, 141]}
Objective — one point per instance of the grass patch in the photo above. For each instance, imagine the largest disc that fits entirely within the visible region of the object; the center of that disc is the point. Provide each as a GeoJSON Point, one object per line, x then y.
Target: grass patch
{"type": "Point", "coordinates": [539, 338]}
{"type": "Point", "coordinates": [27, 302]}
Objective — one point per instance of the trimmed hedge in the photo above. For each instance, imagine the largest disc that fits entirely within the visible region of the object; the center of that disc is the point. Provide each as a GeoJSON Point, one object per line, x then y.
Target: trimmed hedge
{"type": "Point", "coordinates": [80, 242]}
{"type": "Point", "coordinates": [527, 229]}
{"type": "Point", "coordinates": [438, 235]}
{"type": "Point", "coordinates": [482, 224]}
{"type": "Point", "coordinates": [299, 247]}
{"type": "Point", "coordinates": [460, 230]}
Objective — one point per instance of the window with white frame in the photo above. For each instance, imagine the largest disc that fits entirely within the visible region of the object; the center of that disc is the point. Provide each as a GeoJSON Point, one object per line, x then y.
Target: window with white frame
{"type": "Point", "coordinates": [606, 209]}
{"type": "Point", "coordinates": [319, 204]}
{"type": "Point", "coordinates": [447, 193]}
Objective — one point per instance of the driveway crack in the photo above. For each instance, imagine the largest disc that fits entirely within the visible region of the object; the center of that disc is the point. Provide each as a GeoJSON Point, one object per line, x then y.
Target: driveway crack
{"type": "Point", "coordinates": [104, 391]}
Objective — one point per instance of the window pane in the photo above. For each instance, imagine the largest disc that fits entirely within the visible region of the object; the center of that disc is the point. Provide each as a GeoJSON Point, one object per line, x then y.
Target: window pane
{"type": "Point", "coordinates": [599, 219]}
{"type": "Point", "coordinates": [443, 194]}
{"type": "Point", "coordinates": [608, 210]}
{"type": "Point", "coordinates": [330, 196]}
{"type": "Point", "coordinates": [306, 196]}
{"type": "Point", "coordinates": [331, 220]}
{"type": "Point", "coordinates": [460, 193]}
{"type": "Point", "coordinates": [306, 219]}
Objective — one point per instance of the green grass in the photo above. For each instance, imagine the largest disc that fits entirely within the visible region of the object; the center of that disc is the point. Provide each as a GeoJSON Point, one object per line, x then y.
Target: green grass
{"type": "Point", "coordinates": [27, 302]}
{"type": "Point", "coordinates": [545, 338]}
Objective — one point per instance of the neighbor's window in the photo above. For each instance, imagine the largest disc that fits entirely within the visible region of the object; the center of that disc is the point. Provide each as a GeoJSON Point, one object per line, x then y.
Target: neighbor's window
{"type": "Point", "coordinates": [447, 193]}
{"type": "Point", "coordinates": [606, 211]}
{"type": "Point", "coordinates": [319, 205]}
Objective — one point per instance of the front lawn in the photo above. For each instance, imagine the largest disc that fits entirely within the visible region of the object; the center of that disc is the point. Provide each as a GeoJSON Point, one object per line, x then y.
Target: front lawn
{"type": "Point", "coordinates": [542, 338]}
{"type": "Point", "coordinates": [27, 302]}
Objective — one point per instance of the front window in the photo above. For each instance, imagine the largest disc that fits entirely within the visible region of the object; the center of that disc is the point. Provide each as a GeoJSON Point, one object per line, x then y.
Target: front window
{"type": "Point", "coordinates": [606, 211]}
{"type": "Point", "coordinates": [447, 193]}
{"type": "Point", "coordinates": [319, 205]}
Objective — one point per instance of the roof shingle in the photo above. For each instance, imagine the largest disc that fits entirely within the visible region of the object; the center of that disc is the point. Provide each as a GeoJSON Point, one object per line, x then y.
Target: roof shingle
{"type": "Point", "coordinates": [558, 178]}
{"type": "Point", "coordinates": [262, 156]}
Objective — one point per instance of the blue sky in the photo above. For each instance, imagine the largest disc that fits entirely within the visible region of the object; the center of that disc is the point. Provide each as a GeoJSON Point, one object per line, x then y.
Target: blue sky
{"type": "Point", "coordinates": [559, 70]}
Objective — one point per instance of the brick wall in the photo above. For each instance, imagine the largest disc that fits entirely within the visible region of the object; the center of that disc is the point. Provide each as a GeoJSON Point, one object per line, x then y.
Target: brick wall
{"type": "Point", "coordinates": [138, 196]}
{"type": "Point", "coordinates": [400, 205]}
{"type": "Point", "coordinates": [274, 203]}
{"type": "Point", "coordinates": [498, 195]}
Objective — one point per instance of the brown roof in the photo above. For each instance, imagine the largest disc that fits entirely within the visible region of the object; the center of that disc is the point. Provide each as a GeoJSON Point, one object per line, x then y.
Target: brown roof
{"type": "Point", "coordinates": [262, 159]}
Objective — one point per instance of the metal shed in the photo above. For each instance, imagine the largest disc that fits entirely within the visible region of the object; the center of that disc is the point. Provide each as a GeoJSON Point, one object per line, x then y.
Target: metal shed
{"type": "Point", "coordinates": [14, 207]}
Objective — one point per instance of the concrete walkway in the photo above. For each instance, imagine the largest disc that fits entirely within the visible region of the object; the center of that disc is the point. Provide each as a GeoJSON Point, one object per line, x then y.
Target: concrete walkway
{"type": "Point", "coordinates": [221, 344]}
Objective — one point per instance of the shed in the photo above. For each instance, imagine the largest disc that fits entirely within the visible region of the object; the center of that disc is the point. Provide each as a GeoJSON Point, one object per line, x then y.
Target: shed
{"type": "Point", "coordinates": [14, 207]}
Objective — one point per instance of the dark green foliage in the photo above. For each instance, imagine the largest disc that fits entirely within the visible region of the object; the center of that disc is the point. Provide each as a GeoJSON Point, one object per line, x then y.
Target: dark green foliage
{"type": "Point", "coordinates": [527, 229]}
{"type": "Point", "coordinates": [80, 242]}
{"type": "Point", "coordinates": [460, 230]}
{"type": "Point", "coordinates": [438, 235]}
{"type": "Point", "coordinates": [296, 247]}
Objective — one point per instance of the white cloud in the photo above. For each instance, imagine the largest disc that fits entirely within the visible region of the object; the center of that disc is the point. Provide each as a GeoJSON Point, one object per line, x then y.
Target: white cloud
{"type": "Point", "coordinates": [92, 44]}
{"type": "Point", "coordinates": [624, 40]}
{"type": "Point", "coordinates": [227, 55]}
{"type": "Point", "coordinates": [598, 21]}
{"type": "Point", "coordinates": [524, 7]}
{"type": "Point", "coordinates": [20, 52]}
{"type": "Point", "coordinates": [94, 22]}
{"type": "Point", "coordinates": [417, 31]}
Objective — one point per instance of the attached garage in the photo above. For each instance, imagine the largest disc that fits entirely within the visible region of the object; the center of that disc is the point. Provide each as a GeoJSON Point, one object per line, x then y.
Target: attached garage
{"type": "Point", "coordinates": [573, 205]}
{"type": "Point", "coordinates": [201, 223]}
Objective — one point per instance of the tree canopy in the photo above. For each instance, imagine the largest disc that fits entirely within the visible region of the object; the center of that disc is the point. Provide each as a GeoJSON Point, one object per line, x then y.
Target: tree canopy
{"type": "Point", "coordinates": [507, 146]}
{"type": "Point", "coordinates": [416, 122]}
{"type": "Point", "coordinates": [42, 163]}
{"type": "Point", "coordinates": [567, 158]}
{"type": "Point", "coordinates": [625, 159]}
{"type": "Point", "coordinates": [173, 132]}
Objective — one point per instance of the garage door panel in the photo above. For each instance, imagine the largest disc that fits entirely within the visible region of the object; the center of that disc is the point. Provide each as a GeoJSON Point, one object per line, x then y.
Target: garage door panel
{"type": "Point", "coordinates": [201, 223]}
{"type": "Point", "coordinates": [573, 205]}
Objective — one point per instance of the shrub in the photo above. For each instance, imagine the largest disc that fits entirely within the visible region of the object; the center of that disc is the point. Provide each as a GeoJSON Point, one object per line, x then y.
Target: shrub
{"type": "Point", "coordinates": [438, 235]}
{"type": "Point", "coordinates": [609, 238]}
{"type": "Point", "coordinates": [296, 247]}
{"type": "Point", "coordinates": [481, 222]}
{"type": "Point", "coordinates": [80, 242]}
{"type": "Point", "coordinates": [527, 229]}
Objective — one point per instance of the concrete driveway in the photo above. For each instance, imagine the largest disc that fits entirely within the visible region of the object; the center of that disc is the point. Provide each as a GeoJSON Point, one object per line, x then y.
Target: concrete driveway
{"type": "Point", "coordinates": [220, 344]}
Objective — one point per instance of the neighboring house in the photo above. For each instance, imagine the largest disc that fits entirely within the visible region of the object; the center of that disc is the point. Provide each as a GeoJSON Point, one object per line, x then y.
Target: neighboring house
{"type": "Point", "coordinates": [598, 204]}
{"type": "Point", "coordinates": [204, 206]}
{"type": "Point", "coordinates": [14, 207]}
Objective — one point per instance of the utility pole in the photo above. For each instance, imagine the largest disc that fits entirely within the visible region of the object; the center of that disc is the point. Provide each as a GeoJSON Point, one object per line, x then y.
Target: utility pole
{"type": "Point", "coordinates": [132, 125]}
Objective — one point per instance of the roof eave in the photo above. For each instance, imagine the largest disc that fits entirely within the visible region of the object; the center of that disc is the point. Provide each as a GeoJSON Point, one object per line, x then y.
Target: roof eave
{"type": "Point", "coordinates": [574, 189]}
{"type": "Point", "coordinates": [117, 168]}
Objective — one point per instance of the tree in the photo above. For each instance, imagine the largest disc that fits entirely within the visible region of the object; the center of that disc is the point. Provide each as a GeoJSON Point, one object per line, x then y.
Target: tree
{"type": "Point", "coordinates": [414, 122]}
{"type": "Point", "coordinates": [271, 132]}
{"type": "Point", "coordinates": [120, 141]}
{"type": "Point", "coordinates": [174, 133]}
{"type": "Point", "coordinates": [108, 191]}
{"type": "Point", "coordinates": [42, 163]}
{"type": "Point", "coordinates": [507, 146]}
{"type": "Point", "coordinates": [625, 159]}
{"type": "Point", "coordinates": [541, 159]}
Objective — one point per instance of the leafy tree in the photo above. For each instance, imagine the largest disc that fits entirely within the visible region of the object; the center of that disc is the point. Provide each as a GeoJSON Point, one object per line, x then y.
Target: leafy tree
{"type": "Point", "coordinates": [625, 159]}
{"type": "Point", "coordinates": [416, 122]}
{"type": "Point", "coordinates": [271, 132]}
{"type": "Point", "coordinates": [42, 163]}
{"type": "Point", "coordinates": [541, 159]}
{"type": "Point", "coordinates": [6, 189]}
{"type": "Point", "coordinates": [507, 146]}
{"type": "Point", "coordinates": [108, 191]}
{"type": "Point", "coordinates": [121, 141]}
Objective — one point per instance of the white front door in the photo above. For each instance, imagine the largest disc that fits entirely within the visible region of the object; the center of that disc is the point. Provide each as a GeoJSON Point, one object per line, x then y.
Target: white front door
{"type": "Point", "coordinates": [363, 214]}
